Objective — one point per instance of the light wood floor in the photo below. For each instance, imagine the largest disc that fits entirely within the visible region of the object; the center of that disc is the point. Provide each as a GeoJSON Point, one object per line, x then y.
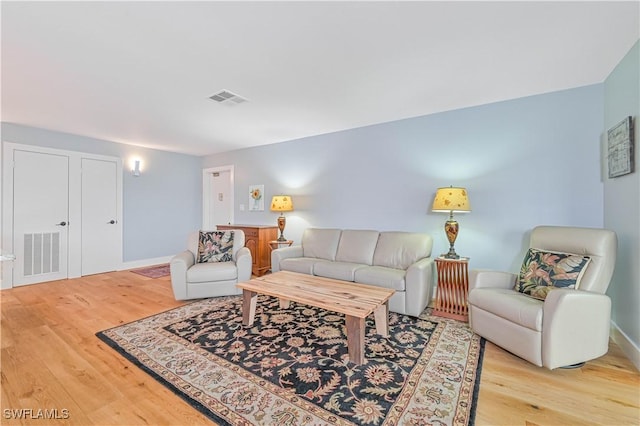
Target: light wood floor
{"type": "Point", "coordinates": [52, 360]}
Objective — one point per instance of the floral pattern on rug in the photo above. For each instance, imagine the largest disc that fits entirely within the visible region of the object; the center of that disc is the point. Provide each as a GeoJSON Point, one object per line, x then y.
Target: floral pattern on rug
{"type": "Point", "coordinates": [291, 367]}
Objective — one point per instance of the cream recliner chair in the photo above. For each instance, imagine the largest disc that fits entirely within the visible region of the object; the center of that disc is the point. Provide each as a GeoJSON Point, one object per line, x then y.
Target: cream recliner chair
{"type": "Point", "coordinates": [570, 326]}
{"type": "Point", "coordinates": [191, 280]}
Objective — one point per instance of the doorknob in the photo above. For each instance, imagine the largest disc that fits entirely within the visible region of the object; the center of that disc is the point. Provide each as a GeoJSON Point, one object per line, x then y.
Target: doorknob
{"type": "Point", "coordinates": [112, 222]}
{"type": "Point", "coordinates": [61, 224]}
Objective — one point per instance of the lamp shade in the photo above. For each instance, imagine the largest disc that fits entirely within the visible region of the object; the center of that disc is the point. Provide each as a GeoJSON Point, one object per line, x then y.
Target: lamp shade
{"type": "Point", "coordinates": [281, 203]}
{"type": "Point", "coordinates": [451, 199]}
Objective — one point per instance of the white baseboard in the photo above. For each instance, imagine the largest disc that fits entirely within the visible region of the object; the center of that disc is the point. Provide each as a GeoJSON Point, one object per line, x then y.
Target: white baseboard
{"type": "Point", "coordinates": [4, 284]}
{"type": "Point", "coordinates": [144, 262]}
{"type": "Point", "coordinates": [629, 348]}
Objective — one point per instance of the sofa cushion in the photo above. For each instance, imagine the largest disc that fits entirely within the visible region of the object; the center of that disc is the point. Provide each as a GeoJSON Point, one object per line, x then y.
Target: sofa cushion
{"type": "Point", "coordinates": [357, 246]}
{"type": "Point", "coordinates": [399, 250]}
{"type": "Point", "coordinates": [381, 276]}
{"type": "Point", "coordinates": [215, 246]}
{"type": "Point", "coordinates": [543, 271]}
{"type": "Point", "coordinates": [212, 271]}
{"type": "Point", "coordinates": [303, 265]}
{"type": "Point", "coordinates": [510, 305]}
{"type": "Point", "coordinates": [337, 270]}
{"type": "Point", "coordinates": [320, 243]}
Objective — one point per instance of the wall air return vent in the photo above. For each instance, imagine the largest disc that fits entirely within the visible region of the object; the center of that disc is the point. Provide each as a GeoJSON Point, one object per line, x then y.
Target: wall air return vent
{"type": "Point", "coordinates": [41, 253]}
{"type": "Point", "coordinates": [228, 98]}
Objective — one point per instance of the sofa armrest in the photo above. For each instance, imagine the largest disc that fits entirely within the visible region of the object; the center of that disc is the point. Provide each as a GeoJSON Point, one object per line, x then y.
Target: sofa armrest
{"type": "Point", "coordinates": [419, 283]}
{"type": "Point", "coordinates": [178, 266]}
{"type": "Point", "coordinates": [481, 278]}
{"type": "Point", "coordinates": [284, 253]}
{"type": "Point", "coordinates": [244, 264]}
{"type": "Point", "coordinates": [575, 327]}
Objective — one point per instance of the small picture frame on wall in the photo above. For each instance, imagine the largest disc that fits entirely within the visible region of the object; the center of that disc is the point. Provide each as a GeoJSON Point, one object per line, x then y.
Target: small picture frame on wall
{"type": "Point", "coordinates": [256, 198]}
{"type": "Point", "coordinates": [620, 148]}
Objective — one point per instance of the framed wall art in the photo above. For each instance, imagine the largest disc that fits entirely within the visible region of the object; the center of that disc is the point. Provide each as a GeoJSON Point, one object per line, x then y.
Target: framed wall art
{"type": "Point", "coordinates": [620, 148]}
{"type": "Point", "coordinates": [256, 198]}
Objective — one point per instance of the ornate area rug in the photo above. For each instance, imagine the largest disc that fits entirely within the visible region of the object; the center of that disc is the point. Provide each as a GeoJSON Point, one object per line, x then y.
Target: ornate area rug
{"type": "Point", "coordinates": [153, 271]}
{"type": "Point", "coordinates": [291, 367]}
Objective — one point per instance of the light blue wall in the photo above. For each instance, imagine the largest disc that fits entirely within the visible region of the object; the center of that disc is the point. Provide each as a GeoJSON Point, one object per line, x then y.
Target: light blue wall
{"type": "Point", "coordinates": [160, 207]}
{"type": "Point", "coordinates": [622, 198]}
{"type": "Point", "coordinates": [525, 162]}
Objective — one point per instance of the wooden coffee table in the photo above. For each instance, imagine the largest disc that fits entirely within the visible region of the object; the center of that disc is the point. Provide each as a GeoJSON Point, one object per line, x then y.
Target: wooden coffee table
{"type": "Point", "coordinates": [355, 301]}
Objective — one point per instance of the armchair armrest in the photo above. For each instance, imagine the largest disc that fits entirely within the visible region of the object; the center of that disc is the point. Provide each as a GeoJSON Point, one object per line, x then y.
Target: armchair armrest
{"type": "Point", "coordinates": [481, 278]}
{"type": "Point", "coordinates": [243, 263]}
{"type": "Point", "coordinates": [575, 327]}
{"type": "Point", "coordinates": [284, 253]}
{"type": "Point", "coordinates": [178, 266]}
{"type": "Point", "coordinates": [420, 281]}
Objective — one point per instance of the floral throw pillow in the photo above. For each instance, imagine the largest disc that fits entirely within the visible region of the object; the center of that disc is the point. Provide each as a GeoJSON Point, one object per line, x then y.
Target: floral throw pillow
{"type": "Point", "coordinates": [215, 246]}
{"type": "Point", "coordinates": [543, 271]}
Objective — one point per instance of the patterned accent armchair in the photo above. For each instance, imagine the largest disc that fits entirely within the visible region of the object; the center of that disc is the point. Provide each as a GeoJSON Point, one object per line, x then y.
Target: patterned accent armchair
{"type": "Point", "coordinates": [569, 327]}
{"type": "Point", "coordinates": [192, 280]}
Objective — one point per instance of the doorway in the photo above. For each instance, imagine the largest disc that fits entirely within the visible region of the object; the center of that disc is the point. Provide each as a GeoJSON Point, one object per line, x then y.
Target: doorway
{"type": "Point", "coordinates": [217, 196]}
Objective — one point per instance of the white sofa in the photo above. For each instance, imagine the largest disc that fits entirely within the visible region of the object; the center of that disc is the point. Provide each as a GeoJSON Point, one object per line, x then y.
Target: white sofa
{"type": "Point", "coordinates": [191, 280]}
{"type": "Point", "coordinates": [396, 260]}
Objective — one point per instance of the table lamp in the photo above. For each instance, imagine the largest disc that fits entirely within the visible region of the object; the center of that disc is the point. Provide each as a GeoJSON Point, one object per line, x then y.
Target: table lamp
{"type": "Point", "coordinates": [451, 200]}
{"type": "Point", "coordinates": [281, 203]}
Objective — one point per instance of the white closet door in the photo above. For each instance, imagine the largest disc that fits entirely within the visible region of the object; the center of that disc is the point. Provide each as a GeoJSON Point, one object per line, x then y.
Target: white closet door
{"type": "Point", "coordinates": [101, 228]}
{"type": "Point", "coordinates": [40, 216]}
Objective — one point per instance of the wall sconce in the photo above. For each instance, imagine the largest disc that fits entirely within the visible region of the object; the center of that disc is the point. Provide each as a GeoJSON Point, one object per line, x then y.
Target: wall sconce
{"type": "Point", "coordinates": [136, 168]}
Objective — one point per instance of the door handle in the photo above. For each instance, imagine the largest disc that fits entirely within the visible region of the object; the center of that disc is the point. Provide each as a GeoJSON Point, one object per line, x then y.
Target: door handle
{"type": "Point", "coordinates": [112, 222]}
{"type": "Point", "coordinates": [61, 224]}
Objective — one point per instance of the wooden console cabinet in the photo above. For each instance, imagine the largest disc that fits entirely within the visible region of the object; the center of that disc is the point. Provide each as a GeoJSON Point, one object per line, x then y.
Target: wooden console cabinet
{"type": "Point", "coordinates": [256, 239]}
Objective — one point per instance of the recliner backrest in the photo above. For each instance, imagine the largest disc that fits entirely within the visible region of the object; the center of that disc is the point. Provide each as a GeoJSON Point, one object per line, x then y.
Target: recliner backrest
{"type": "Point", "coordinates": [599, 244]}
{"type": "Point", "coordinates": [238, 242]}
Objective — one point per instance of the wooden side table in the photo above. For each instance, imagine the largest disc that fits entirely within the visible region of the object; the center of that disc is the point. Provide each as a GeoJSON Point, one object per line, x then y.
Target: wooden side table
{"type": "Point", "coordinates": [453, 288]}
{"type": "Point", "coordinates": [275, 244]}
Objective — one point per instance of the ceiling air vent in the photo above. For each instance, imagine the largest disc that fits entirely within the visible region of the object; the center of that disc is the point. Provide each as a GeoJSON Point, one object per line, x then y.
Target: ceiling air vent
{"type": "Point", "coordinates": [226, 97]}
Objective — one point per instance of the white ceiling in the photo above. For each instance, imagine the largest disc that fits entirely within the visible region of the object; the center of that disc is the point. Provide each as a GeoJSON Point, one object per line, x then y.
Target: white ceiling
{"type": "Point", "coordinates": [141, 72]}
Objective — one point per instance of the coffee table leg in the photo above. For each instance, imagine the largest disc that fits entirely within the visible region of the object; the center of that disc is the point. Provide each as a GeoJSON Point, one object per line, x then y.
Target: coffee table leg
{"type": "Point", "coordinates": [355, 338]}
{"type": "Point", "coordinates": [249, 300]}
{"type": "Point", "coordinates": [381, 315]}
{"type": "Point", "coordinates": [284, 304]}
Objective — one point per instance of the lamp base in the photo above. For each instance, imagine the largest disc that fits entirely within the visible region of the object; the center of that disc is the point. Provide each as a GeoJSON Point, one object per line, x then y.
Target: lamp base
{"type": "Point", "coordinates": [451, 229]}
{"type": "Point", "coordinates": [451, 254]}
{"type": "Point", "coordinates": [281, 224]}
